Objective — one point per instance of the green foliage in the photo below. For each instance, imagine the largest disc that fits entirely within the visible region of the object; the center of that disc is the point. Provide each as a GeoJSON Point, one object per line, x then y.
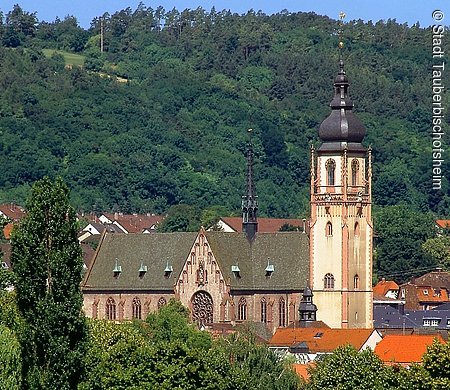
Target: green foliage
{"type": "Point", "coordinates": [438, 249]}
{"type": "Point", "coordinates": [346, 368]}
{"type": "Point", "coordinates": [47, 263]}
{"type": "Point", "coordinates": [10, 360]}
{"type": "Point", "coordinates": [174, 133]}
{"type": "Point", "coordinates": [181, 218]}
{"type": "Point", "coordinates": [399, 235]}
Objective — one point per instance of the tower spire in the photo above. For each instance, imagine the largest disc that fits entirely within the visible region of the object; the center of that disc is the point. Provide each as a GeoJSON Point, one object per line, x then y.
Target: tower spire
{"type": "Point", "coordinates": [249, 200]}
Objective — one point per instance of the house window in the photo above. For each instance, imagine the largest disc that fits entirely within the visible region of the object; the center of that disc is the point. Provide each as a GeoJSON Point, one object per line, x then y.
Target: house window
{"type": "Point", "coordinates": [282, 312]}
{"type": "Point", "coordinates": [330, 167]}
{"type": "Point", "coordinates": [329, 229]}
{"type": "Point", "coordinates": [355, 171]}
{"type": "Point", "coordinates": [242, 309]}
{"type": "Point", "coordinates": [356, 229]}
{"type": "Point", "coordinates": [264, 310]}
{"type": "Point", "coordinates": [356, 282]}
{"type": "Point", "coordinates": [110, 309]}
{"type": "Point", "coordinates": [328, 281]}
{"type": "Point", "coordinates": [193, 258]}
{"type": "Point", "coordinates": [137, 309]}
{"type": "Point", "coordinates": [425, 292]}
{"type": "Point", "coordinates": [162, 302]}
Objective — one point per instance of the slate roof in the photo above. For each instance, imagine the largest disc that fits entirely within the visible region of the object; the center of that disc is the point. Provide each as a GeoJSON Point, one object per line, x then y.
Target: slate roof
{"type": "Point", "coordinates": [152, 250]}
{"type": "Point", "coordinates": [320, 340]}
{"type": "Point", "coordinates": [404, 348]}
{"type": "Point", "coordinates": [265, 225]}
{"type": "Point", "coordinates": [387, 317]}
{"type": "Point", "coordinates": [288, 252]}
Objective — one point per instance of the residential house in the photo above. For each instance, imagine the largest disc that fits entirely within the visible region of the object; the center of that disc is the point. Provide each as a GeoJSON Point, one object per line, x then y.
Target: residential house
{"type": "Point", "coordinates": [308, 344]}
{"type": "Point", "coordinates": [404, 350]}
{"type": "Point", "coordinates": [426, 292]}
{"type": "Point", "coordinates": [132, 223]}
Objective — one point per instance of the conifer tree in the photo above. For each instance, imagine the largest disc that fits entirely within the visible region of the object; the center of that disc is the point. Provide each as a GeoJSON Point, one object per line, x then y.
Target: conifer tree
{"type": "Point", "coordinates": [47, 261]}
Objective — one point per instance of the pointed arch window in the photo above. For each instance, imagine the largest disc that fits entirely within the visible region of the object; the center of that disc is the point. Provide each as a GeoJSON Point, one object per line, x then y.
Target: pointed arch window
{"type": "Point", "coordinates": [356, 229]}
{"type": "Point", "coordinates": [329, 229]}
{"type": "Point", "coordinates": [111, 309]}
{"type": "Point", "coordinates": [162, 302]}
{"type": "Point", "coordinates": [328, 281]}
{"type": "Point", "coordinates": [355, 172]}
{"type": "Point", "coordinates": [356, 282]}
{"type": "Point", "coordinates": [242, 309]}
{"type": "Point", "coordinates": [282, 312]}
{"type": "Point", "coordinates": [330, 167]}
{"type": "Point", "coordinates": [263, 310]}
{"type": "Point", "coordinates": [137, 309]}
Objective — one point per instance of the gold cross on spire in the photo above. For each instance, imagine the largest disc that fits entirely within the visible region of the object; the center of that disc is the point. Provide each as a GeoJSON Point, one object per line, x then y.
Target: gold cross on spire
{"type": "Point", "coordinates": [341, 32]}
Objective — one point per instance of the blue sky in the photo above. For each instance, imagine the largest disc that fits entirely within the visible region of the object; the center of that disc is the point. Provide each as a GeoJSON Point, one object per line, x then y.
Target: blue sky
{"type": "Point", "coordinates": [409, 11]}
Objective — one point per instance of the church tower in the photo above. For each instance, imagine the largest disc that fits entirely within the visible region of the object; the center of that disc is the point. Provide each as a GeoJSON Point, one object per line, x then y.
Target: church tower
{"type": "Point", "coordinates": [341, 227]}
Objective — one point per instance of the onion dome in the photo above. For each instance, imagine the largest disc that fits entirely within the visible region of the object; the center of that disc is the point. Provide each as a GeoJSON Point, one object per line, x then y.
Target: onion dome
{"type": "Point", "coordinates": [342, 128]}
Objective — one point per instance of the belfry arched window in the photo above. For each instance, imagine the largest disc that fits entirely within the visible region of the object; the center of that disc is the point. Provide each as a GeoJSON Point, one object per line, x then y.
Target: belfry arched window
{"type": "Point", "coordinates": [242, 309]}
{"type": "Point", "coordinates": [355, 172]}
{"type": "Point", "coordinates": [330, 167]}
{"type": "Point", "coordinates": [110, 309]}
{"type": "Point", "coordinates": [356, 282]}
{"type": "Point", "coordinates": [356, 229]}
{"type": "Point", "coordinates": [282, 312]}
{"type": "Point", "coordinates": [329, 229]}
{"type": "Point", "coordinates": [328, 281]}
{"type": "Point", "coordinates": [137, 309]}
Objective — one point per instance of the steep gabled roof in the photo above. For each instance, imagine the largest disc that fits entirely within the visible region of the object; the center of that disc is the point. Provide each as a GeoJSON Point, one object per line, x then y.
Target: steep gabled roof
{"type": "Point", "coordinates": [383, 286]}
{"type": "Point", "coordinates": [320, 340]}
{"type": "Point", "coordinates": [265, 225]}
{"type": "Point", "coordinates": [288, 252]}
{"type": "Point", "coordinates": [132, 250]}
{"type": "Point", "coordinates": [404, 349]}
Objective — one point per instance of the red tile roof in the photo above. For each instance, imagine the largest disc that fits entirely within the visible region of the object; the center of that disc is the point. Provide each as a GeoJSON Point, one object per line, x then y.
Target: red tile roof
{"type": "Point", "coordinates": [383, 286]}
{"type": "Point", "coordinates": [135, 223]}
{"type": "Point", "coordinates": [404, 349]}
{"type": "Point", "coordinates": [428, 294]}
{"type": "Point", "coordinates": [320, 339]}
{"type": "Point", "coordinates": [302, 370]}
{"type": "Point", "coordinates": [265, 225]}
{"type": "Point", "coordinates": [16, 213]}
{"type": "Point", "coordinates": [443, 223]}
{"type": "Point", "coordinates": [7, 231]}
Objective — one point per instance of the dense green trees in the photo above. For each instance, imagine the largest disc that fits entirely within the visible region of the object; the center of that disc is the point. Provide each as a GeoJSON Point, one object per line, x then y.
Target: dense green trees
{"type": "Point", "coordinates": [47, 264]}
{"type": "Point", "coordinates": [174, 132]}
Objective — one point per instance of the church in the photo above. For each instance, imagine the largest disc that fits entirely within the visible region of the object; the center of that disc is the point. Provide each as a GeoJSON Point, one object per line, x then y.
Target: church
{"type": "Point", "coordinates": [232, 277]}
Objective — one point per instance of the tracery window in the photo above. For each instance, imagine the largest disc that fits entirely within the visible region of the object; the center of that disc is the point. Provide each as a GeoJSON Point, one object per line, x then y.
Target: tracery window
{"type": "Point", "coordinates": [355, 171]}
{"type": "Point", "coordinates": [330, 167]}
{"type": "Point", "coordinates": [110, 309]}
{"type": "Point", "coordinates": [161, 302]}
{"type": "Point", "coordinates": [328, 281]}
{"type": "Point", "coordinates": [242, 309]}
{"type": "Point", "coordinates": [282, 312]}
{"type": "Point", "coordinates": [202, 308]}
{"type": "Point", "coordinates": [137, 309]}
{"type": "Point", "coordinates": [263, 310]}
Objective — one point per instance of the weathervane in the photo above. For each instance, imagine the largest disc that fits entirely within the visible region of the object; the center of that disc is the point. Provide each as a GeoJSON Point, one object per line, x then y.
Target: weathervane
{"type": "Point", "coordinates": [341, 33]}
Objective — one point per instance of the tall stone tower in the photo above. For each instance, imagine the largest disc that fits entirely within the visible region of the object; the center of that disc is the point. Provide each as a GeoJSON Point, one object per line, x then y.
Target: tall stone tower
{"type": "Point", "coordinates": [341, 227]}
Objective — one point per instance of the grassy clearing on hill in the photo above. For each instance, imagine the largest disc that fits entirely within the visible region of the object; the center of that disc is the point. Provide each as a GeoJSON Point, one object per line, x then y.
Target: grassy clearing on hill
{"type": "Point", "coordinates": [70, 58]}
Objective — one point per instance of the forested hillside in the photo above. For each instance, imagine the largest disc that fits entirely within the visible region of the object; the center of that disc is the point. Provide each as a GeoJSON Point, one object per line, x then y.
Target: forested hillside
{"type": "Point", "coordinates": [159, 117]}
